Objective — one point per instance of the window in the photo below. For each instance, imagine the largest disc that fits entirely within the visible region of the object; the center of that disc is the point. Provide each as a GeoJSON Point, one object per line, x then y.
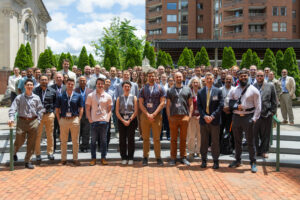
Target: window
{"type": "Point", "coordinates": [27, 32]}
{"type": "Point", "coordinates": [283, 11]}
{"type": "Point", "coordinates": [200, 18]}
{"type": "Point", "coordinates": [200, 6]}
{"type": "Point", "coordinates": [171, 18]}
{"type": "Point", "coordinates": [283, 27]}
{"type": "Point", "coordinates": [275, 11]}
{"type": "Point", "coordinates": [221, 17]}
{"type": "Point", "coordinates": [216, 19]}
{"type": "Point", "coordinates": [275, 27]}
{"type": "Point", "coordinates": [171, 30]}
{"type": "Point", "coordinates": [294, 14]}
{"type": "Point", "coordinates": [184, 18]}
{"type": "Point", "coordinates": [184, 30]}
{"type": "Point", "coordinates": [294, 29]}
{"type": "Point", "coordinates": [171, 6]}
{"type": "Point", "coordinates": [184, 5]}
{"type": "Point", "coordinates": [200, 30]}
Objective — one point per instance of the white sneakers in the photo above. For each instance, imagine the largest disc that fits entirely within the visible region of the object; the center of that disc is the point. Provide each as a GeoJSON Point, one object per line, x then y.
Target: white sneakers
{"type": "Point", "coordinates": [124, 162]}
{"type": "Point", "coordinates": [130, 162]}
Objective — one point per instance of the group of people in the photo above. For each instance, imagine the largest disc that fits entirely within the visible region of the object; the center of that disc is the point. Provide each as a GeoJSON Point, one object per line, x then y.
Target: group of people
{"type": "Point", "coordinates": [197, 105]}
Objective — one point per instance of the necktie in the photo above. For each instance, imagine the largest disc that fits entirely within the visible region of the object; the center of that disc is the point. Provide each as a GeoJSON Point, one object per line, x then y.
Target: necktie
{"type": "Point", "coordinates": [207, 101]}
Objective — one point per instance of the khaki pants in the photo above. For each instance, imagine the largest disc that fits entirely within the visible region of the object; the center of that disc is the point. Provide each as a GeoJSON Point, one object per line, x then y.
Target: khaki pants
{"type": "Point", "coordinates": [156, 126]}
{"type": "Point", "coordinates": [48, 122]}
{"type": "Point", "coordinates": [181, 122]}
{"type": "Point", "coordinates": [26, 129]}
{"type": "Point", "coordinates": [286, 107]}
{"type": "Point", "coordinates": [194, 136]}
{"type": "Point", "coordinates": [67, 125]}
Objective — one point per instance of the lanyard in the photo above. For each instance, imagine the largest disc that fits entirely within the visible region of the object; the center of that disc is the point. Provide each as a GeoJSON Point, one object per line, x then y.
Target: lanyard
{"type": "Point", "coordinates": [98, 100]}
{"type": "Point", "coordinates": [58, 89]}
{"type": "Point", "coordinates": [43, 95]}
{"type": "Point", "coordinates": [151, 88]}
{"type": "Point", "coordinates": [178, 93]}
{"type": "Point", "coordinates": [83, 93]}
{"type": "Point", "coordinates": [126, 102]}
{"type": "Point", "coordinates": [69, 99]}
{"type": "Point", "coordinates": [28, 102]}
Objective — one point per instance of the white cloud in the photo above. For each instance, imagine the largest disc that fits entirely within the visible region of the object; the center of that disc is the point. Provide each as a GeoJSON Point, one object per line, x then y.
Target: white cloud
{"type": "Point", "coordinates": [87, 6]}
{"type": "Point", "coordinates": [59, 22]}
{"type": "Point", "coordinates": [53, 5]}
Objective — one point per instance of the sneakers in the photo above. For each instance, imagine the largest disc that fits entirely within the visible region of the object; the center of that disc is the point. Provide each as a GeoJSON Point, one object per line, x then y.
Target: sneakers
{"type": "Point", "coordinates": [253, 168]}
{"type": "Point", "coordinates": [216, 165]}
{"type": "Point", "coordinates": [235, 164]}
{"type": "Point", "coordinates": [185, 162]}
{"type": "Point", "coordinates": [104, 161]}
{"type": "Point", "coordinates": [93, 162]}
{"type": "Point", "coordinates": [160, 162]}
{"type": "Point", "coordinates": [29, 166]}
{"type": "Point", "coordinates": [130, 162]}
{"type": "Point", "coordinates": [38, 158]}
{"type": "Point", "coordinates": [172, 162]}
{"type": "Point", "coordinates": [15, 158]}
{"type": "Point", "coordinates": [265, 155]}
{"type": "Point", "coordinates": [204, 164]}
{"type": "Point", "coordinates": [50, 157]}
{"type": "Point", "coordinates": [145, 161]}
{"type": "Point", "coordinates": [292, 123]}
{"type": "Point", "coordinates": [191, 157]}
{"type": "Point", "coordinates": [124, 162]}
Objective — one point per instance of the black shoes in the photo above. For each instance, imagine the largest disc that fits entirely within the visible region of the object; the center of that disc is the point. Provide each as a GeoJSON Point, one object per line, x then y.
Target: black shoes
{"type": "Point", "coordinates": [15, 158]}
{"type": "Point", "coordinates": [204, 164]}
{"type": "Point", "coordinates": [38, 158]}
{"type": "Point", "coordinates": [160, 162]}
{"type": "Point", "coordinates": [235, 164]}
{"type": "Point", "coordinates": [29, 166]}
{"type": "Point", "coordinates": [185, 162]}
{"type": "Point", "coordinates": [216, 165]}
{"type": "Point", "coordinates": [172, 162]}
{"type": "Point", "coordinates": [145, 161]}
{"type": "Point", "coordinates": [50, 157]}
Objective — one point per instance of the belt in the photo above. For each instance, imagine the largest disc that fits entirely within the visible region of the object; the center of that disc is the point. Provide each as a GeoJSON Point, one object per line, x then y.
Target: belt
{"type": "Point", "coordinates": [69, 117]}
{"type": "Point", "coordinates": [27, 118]}
{"type": "Point", "coordinates": [243, 115]}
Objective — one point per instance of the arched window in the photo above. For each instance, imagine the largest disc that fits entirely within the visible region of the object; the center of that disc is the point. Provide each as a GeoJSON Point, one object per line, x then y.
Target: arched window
{"type": "Point", "coordinates": [27, 32]}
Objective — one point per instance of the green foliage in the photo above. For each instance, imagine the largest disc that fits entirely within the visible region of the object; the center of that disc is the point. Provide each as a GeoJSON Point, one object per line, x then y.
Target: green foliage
{"type": "Point", "coordinates": [21, 60]}
{"type": "Point", "coordinates": [70, 58]}
{"type": "Point", "coordinates": [45, 60]}
{"type": "Point", "coordinates": [92, 60]}
{"type": "Point", "coordinates": [169, 60]}
{"type": "Point", "coordinates": [149, 53]}
{"type": "Point", "coordinates": [247, 59]}
{"type": "Point", "coordinates": [202, 58]}
{"type": "Point", "coordinates": [133, 58]}
{"type": "Point", "coordinates": [290, 64]}
{"type": "Point", "coordinates": [228, 58]}
{"type": "Point", "coordinates": [75, 59]}
{"type": "Point", "coordinates": [164, 59]}
{"type": "Point", "coordinates": [269, 61]}
{"type": "Point", "coordinates": [256, 60]}
{"type": "Point", "coordinates": [83, 59]}
{"type": "Point", "coordinates": [29, 54]}
{"type": "Point", "coordinates": [186, 58]}
{"type": "Point", "coordinates": [61, 58]}
{"type": "Point", "coordinates": [279, 62]}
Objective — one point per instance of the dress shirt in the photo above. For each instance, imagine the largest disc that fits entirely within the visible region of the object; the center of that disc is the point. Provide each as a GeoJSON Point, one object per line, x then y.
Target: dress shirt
{"type": "Point", "coordinates": [114, 83]}
{"type": "Point", "coordinates": [69, 73]}
{"type": "Point", "coordinates": [12, 82]}
{"type": "Point", "coordinates": [225, 93]}
{"type": "Point", "coordinates": [26, 106]}
{"type": "Point", "coordinates": [251, 99]}
{"type": "Point", "coordinates": [75, 103]}
{"type": "Point", "coordinates": [48, 98]}
{"type": "Point", "coordinates": [283, 85]}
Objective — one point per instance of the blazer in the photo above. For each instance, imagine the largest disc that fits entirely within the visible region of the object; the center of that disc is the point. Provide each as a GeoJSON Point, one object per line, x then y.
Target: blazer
{"type": "Point", "coordinates": [268, 99]}
{"type": "Point", "coordinates": [215, 106]}
{"type": "Point", "coordinates": [290, 86]}
{"type": "Point", "coordinates": [63, 88]}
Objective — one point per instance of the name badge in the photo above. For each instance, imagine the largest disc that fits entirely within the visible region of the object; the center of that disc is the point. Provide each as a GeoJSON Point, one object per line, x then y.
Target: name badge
{"type": "Point", "coordinates": [126, 117]}
{"type": "Point", "coordinates": [68, 114]}
{"type": "Point", "coordinates": [177, 105]}
{"type": "Point", "coordinates": [215, 98]}
{"type": "Point", "coordinates": [196, 111]}
{"type": "Point", "coordinates": [98, 112]}
{"type": "Point", "coordinates": [149, 105]}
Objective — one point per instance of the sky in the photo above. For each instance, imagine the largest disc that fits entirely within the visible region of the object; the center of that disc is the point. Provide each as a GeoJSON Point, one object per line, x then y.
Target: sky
{"type": "Point", "coordinates": [78, 22]}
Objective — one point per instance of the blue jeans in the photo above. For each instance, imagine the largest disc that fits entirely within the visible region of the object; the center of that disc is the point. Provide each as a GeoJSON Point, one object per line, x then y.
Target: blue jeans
{"type": "Point", "coordinates": [98, 132]}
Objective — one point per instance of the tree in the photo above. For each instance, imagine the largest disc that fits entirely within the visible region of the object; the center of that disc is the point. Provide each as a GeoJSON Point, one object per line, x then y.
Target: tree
{"type": "Point", "coordinates": [45, 60]}
{"type": "Point", "coordinates": [247, 59]}
{"type": "Point", "coordinates": [186, 58]}
{"type": "Point", "coordinates": [61, 59]}
{"type": "Point", "coordinates": [29, 54]}
{"type": "Point", "coordinates": [21, 60]}
{"type": "Point", "coordinates": [269, 61]}
{"type": "Point", "coordinates": [228, 58]}
{"type": "Point", "coordinates": [169, 60]}
{"type": "Point", "coordinates": [92, 60]}
{"type": "Point", "coordinates": [290, 64]}
{"type": "Point", "coordinates": [106, 60]}
{"type": "Point", "coordinates": [256, 60]}
{"type": "Point", "coordinates": [149, 53]}
{"type": "Point", "coordinates": [83, 58]}
{"type": "Point", "coordinates": [114, 57]}
{"type": "Point", "coordinates": [70, 58]}
{"type": "Point", "coordinates": [133, 58]}
{"type": "Point", "coordinates": [202, 58]}
{"type": "Point", "coordinates": [162, 59]}
{"type": "Point", "coordinates": [279, 62]}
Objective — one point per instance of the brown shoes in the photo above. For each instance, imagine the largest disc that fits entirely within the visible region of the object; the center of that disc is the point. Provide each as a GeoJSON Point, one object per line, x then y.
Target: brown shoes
{"type": "Point", "coordinates": [76, 163]}
{"type": "Point", "coordinates": [292, 123]}
{"type": "Point", "coordinates": [93, 162]}
{"type": "Point", "coordinates": [284, 122]}
{"type": "Point", "coordinates": [63, 162]}
{"type": "Point", "coordinates": [104, 161]}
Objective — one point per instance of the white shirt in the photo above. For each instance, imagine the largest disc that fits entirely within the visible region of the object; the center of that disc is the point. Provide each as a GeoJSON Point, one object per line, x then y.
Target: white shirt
{"type": "Point", "coordinates": [70, 74]}
{"type": "Point", "coordinates": [12, 82]}
{"type": "Point", "coordinates": [225, 93]}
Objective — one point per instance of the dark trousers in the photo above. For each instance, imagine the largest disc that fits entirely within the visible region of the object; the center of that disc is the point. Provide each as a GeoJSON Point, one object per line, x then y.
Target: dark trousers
{"type": "Point", "coordinates": [165, 124]}
{"type": "Point", "coordinates": [242, 124]}
{"type": "Point", "coordinates": [126, 139]}
{"type": "Point", "coordinates": [56, 132]}
{"type": "Point", "coordinates": [99, 130]}
{"type": "Point", "coordinates": [207, 130]}
{"type": "Point", "coordinates": [226, 120]}
{"type": "Point", "coordinates": [13, 95]}
{"type": "Point", "coordinates": [262, 132]}
{"type": "Point", "coordinates": [108, 132]}
{"type": "Point", "coordinates": [84, 137]}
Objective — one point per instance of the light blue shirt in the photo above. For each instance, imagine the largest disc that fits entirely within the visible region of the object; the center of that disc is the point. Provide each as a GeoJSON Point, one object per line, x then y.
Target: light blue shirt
{"type": "Point", "coordinates": [283, 83]}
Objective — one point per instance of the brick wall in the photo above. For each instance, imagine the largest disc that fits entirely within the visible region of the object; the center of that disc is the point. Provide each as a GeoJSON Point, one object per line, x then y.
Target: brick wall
{"type": "Point", "coordinates": [4, 80]}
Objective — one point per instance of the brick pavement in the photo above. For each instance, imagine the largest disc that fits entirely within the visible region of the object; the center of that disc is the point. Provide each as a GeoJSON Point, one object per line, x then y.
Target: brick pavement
{"type": "Point", "coordinates": [136, 182]}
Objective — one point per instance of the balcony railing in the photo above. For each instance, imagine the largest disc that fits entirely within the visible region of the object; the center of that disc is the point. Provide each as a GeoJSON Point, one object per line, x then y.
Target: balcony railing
{"type": "Point", "coordinates": [229, 3]}
{"type": "Point", "coordinates": [254, 31]}
{"type": "Point", "coordinates": [257, 1]}
{"type": "Point", "coordinates": [233, 33]}
{"type": "Point", "coordinates": [233, 17]}
{"type": "Point", "coordinates": [257, 15]}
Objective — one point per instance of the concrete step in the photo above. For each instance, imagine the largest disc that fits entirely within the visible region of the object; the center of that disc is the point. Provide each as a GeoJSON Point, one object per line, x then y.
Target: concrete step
{"type": "Point", "coordinates": [287, 147]}
{"type": "Point", "coordinates": [288, 135]}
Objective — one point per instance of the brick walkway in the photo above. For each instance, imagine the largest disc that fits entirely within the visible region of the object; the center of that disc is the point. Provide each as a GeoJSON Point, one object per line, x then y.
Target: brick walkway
{"type": "Point", "coordinates": [137, 182]}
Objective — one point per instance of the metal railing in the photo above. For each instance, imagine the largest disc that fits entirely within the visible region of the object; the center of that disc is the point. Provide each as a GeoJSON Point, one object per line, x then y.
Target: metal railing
{"type": "Point", "coordinates": [277, 141]}
{"type": "Point", "coordinates": [11, 148]}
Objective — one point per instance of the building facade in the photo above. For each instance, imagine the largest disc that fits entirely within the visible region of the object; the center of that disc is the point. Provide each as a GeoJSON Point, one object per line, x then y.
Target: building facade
{"type": "Point", "coordinates": [222, 19]}
{"type": "Point", "coordinates": [22, 21]}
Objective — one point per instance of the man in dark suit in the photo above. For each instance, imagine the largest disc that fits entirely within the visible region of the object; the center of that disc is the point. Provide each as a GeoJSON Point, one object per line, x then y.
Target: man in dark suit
{"type": "Point", "coordinates": [262, 128]}
{"type": "Point", "coordinates": [59, 89]}
{"type": "Point", "coordinates": [84, 122]}
{"type": "Point", "coordinates": [210, 104]}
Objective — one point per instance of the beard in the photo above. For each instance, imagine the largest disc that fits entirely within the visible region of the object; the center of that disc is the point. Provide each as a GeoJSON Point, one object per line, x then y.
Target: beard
{"type": "Point", "coordinates": [243, 82]}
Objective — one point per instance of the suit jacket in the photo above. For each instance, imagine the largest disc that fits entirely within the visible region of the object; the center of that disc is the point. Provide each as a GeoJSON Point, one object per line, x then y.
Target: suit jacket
{"type": "Point", "coordinates": [54, 86]}
{"type": "Point", "coordinates": [215, 106]}
{"type": "Point", "coordinates": [290, 86]}
{"type": "Point", "coordinates": [268, 99]}
{"type": "Point", "coordinates": [218, 83]}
